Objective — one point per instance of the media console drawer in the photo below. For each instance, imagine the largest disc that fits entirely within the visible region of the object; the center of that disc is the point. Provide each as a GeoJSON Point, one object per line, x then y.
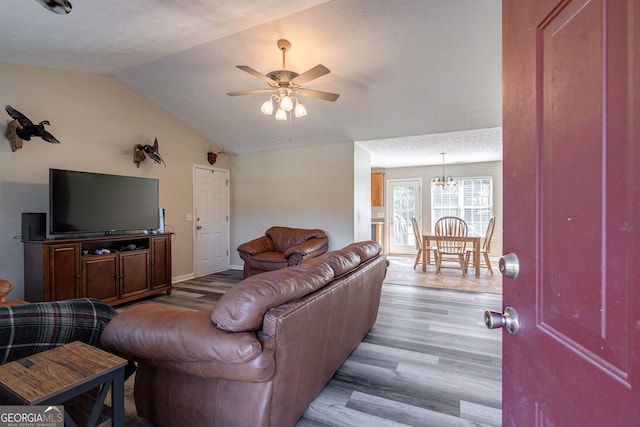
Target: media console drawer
{"type": "Point", "coordinates": [115, 269]}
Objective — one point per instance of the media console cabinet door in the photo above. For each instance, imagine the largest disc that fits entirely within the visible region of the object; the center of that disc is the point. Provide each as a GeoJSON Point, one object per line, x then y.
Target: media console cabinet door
{"type": "Point", "coordinates": [160, 261]}
{"type": "Point", "coordinates": [64, 272]}
{"type": "Point", "coordinates": [134, 272]}
{"type": "Point", "coordinates": [100, 277]}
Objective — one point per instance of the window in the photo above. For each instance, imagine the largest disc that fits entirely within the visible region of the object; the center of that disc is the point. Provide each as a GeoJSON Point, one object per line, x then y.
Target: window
{"type": "Point", "coordinates": [471, 199]}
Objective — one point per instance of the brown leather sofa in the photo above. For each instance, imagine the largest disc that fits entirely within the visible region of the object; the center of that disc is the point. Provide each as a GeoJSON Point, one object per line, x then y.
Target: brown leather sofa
{"type": "Point", "coordinates": [264, 352]}
{"type": "Point", "coordinates": [281, 247]}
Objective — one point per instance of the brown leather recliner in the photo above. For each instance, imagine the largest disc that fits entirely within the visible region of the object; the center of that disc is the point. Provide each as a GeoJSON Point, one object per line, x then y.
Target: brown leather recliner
{"type": "Point", "coordinates": [281, 247]}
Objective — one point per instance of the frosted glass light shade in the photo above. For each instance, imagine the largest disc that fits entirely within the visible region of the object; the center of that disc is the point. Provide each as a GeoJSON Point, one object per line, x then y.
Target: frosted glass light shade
{"type": "Point", "coordinates": [281, 114]}
{"type": "Point", "coordinates": [286, 103]}
{"type": "Point", "coordinates": [267, 107]}
{"type": "Point", "coordinates": [300, 111]}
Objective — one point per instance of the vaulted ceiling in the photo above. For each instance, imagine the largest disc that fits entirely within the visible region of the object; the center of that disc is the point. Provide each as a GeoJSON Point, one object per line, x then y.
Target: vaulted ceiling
{"type": "Point", "coordinates": [415, 77]}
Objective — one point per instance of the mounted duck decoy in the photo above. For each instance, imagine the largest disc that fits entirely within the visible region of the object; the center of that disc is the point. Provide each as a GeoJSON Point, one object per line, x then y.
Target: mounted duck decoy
{"type": "Point", "coordinates": [140, 152]}
{"type": "Point", "coordinates": [28, 129]}
{"type": "Point", "coordinates": [57, 6]}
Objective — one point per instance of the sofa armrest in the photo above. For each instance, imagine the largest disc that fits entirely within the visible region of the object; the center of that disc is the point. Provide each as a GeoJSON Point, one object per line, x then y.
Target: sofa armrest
{"type": "Point", "coordinates": [257, 246]}
{"type": "Point", "coordinates": [159, 333]}
{"type": "Point", "coordinates": [315, 246]}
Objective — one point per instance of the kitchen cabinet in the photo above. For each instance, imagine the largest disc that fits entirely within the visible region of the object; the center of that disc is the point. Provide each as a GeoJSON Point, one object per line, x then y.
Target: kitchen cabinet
{"type": "Point", "coordinates": [377, 189]}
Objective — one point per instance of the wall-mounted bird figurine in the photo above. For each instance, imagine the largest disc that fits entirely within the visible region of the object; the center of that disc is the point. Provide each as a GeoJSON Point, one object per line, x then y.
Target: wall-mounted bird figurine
{"type": "Point", "coordinates": [24, 128]}
{"type": "Point", "coordinates": [140, 152]}
{"type": "Point", "coordinates": [57, 6]}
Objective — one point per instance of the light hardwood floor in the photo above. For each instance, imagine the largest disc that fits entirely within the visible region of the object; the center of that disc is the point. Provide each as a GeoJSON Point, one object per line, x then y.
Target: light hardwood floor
{"type": "Point", "coordinates": [428, 361]}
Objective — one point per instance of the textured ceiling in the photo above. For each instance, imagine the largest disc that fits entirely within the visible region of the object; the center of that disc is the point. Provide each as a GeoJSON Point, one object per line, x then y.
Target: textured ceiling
{"type": "Point", "coordinates": [415, 77]}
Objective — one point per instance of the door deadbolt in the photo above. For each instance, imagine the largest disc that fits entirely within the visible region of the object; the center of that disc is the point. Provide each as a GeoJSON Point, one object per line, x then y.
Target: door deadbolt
{"type": "Point", "coordinates": [509, 319]}
{"type": "Point", "coordinates": [509, 265]}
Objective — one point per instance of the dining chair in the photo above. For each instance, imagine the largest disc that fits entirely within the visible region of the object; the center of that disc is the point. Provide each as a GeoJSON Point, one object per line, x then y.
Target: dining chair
{"type": "Point", "coordinates": [486, 247]}
{"type": "Point", "coordinates": [448, 231]}
{"type": "Point", "coordinates": [418, 238]}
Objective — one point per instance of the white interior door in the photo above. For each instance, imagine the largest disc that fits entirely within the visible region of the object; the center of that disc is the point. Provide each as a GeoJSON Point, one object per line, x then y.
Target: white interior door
{"type": "Point", "coordinates": [211, 220]}
{"type": "Point", "coordinates": [405, 201]}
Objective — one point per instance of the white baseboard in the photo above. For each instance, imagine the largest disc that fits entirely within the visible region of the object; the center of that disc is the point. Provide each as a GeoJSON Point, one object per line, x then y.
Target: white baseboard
{"type": "Point", "coordinates": [182, 278]}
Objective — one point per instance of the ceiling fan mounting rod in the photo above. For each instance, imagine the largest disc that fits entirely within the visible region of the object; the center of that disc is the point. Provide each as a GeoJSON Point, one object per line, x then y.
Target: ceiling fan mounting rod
{"type": "Point", "coordinates": [284, 46]}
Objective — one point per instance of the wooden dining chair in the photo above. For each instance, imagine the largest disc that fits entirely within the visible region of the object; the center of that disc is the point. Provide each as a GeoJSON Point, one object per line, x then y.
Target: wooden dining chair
{"type": "Point", "coordinates": [449, 248]}
{"type": "Point", "coordinates": [485, 249]}
{"type": "Point", "coordinates": [418, 237]}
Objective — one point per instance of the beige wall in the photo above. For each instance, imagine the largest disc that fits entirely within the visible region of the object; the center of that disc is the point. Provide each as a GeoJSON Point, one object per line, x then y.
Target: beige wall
{"type": "Point", "coordinates": [98, 120]}
{"type": "Point", "coordinates": [306, 187]}
{"type": "Point", "coordinates": [493, 169]}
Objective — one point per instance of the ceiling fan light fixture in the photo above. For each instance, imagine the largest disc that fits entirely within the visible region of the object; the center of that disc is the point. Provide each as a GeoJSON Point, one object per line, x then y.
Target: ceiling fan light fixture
{"type": "Point", "coordinates": [281, 114]}
{"type": "Point", "coordinates": [267, 107]}
{"type": "Point", "coordinates": [286, 103]}
{"type": "Point", "coordinates": [285, 83]}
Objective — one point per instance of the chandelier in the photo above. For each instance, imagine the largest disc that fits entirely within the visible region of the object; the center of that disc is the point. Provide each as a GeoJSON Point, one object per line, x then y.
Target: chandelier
{"type": "Point", "coordinates": [443, 181]}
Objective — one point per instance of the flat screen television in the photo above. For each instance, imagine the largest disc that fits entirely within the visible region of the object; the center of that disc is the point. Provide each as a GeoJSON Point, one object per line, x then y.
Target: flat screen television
{"type": "Point", "coordinates": [85, 202]}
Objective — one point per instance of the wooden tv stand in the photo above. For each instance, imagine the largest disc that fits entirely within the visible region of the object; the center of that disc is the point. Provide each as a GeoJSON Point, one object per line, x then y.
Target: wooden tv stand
{"type": "Point", "coordinates": [59, 269]}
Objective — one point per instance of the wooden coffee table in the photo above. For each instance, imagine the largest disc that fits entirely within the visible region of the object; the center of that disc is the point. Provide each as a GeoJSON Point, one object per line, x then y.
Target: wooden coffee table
{"type": "Point", "coordinates": [58, 375]}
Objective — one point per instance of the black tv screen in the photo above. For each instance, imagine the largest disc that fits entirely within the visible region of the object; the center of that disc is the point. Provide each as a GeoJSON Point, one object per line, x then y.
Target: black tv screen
{"type": "Point", "coordinates": [85, 202]}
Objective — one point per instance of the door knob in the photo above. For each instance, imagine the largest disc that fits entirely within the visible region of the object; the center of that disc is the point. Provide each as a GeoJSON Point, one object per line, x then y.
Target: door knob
{"type": "Point", "coordinates": [509, 265]}
{"type": "Point", "coordinates": [509, 319]}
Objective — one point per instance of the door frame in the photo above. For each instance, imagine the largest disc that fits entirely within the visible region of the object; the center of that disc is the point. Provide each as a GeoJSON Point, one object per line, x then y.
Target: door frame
{"type": "Point", "coordinates": [193, 210]}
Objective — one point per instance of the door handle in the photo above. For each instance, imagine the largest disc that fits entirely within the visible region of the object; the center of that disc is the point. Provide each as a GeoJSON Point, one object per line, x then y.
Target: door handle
{"type": "Point", "coordinates": [509, 265]}
{"type": "Point", "coordinates": [508, 319]}
{"type": "Point", "coordinates": [198, 227]}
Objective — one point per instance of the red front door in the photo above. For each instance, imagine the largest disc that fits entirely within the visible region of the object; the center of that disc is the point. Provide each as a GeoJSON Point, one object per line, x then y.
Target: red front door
{"type": "Point", "coordinates": [571, 128]}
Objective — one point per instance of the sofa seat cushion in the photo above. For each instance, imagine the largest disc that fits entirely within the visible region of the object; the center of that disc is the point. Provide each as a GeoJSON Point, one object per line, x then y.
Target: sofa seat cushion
{"type": "Point", "coordinates": [269, 261]}
{"type": "Point", "coordinates": [242, 308]}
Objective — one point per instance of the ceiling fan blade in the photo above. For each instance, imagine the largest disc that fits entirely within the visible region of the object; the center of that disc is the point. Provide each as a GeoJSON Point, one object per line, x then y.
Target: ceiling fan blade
{"type": "Point", "coordinates": [257, 74]}
{"type": "Point", "coordinates": [313, 73]}
{"type": "Point", "coordinates": [249, 92]}
{"type": "Point", "coordinates": [326, 96]}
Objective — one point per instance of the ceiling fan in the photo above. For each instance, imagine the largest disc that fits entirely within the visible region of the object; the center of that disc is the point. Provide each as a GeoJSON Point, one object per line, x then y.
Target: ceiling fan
{"type": "Point", "coordinates": [285, 86]}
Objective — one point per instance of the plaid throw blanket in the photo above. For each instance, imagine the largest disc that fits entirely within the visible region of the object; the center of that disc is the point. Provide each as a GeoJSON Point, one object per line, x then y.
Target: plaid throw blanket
{"type": "Point", "coordinates": [32, 328]}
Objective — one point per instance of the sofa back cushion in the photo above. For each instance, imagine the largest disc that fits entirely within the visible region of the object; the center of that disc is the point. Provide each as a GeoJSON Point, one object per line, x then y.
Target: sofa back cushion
{"type": "Point", "coordinates": [242, 308]}
{"type": "Point", "coordinates": [285, 237]}
{"type": "Point", "coordinates": [365, 249]}
{"type": "Point", "coordinates": [348, 258]}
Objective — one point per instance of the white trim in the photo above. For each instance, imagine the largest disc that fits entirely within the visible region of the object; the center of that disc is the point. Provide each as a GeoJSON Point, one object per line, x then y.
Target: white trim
{"type": "Point", "coordinates": [182, 278]}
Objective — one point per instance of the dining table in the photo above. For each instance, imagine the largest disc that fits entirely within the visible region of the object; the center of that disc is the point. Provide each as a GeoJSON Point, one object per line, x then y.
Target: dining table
{"type": "Point", "coordinates": [426, 253]}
